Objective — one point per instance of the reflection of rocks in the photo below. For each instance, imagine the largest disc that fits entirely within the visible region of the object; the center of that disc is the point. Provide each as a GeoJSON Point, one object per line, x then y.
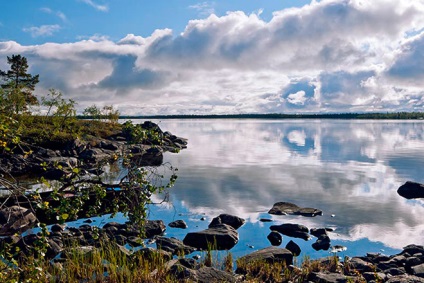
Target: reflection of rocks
{"type": "Point", "coordinates": [411, 190]}
{"type": "Point", "coordinates": [286, 208]}
{"type": "Point", "coordinates": [217, 237]}
{"type": "Point", "coordinates": [292, 230]}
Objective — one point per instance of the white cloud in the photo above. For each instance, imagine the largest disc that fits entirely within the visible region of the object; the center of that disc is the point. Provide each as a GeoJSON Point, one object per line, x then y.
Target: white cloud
{"type": "Point", "coordinates": [99, 7]}
{"type": "Point", "coordinates": [59, 14]}
{"type": "Point", "coordinates": [204, 8]}
{"type": "Point", "coordinates": [44, 30]}
{"type": "Point", "coordinates": [329, 56]}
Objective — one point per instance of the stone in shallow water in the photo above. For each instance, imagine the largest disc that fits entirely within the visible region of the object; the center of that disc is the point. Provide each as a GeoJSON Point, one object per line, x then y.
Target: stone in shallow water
{"type": "Point", "coordinates": [218, 237]}
{"type": "Point", "coordinates": [287, 208]}
{"type": "Point", "coordinates": [178, 224]}
{"type": "Point", "coordinates": [233, 221]}
{"type": "Point", "coordinates": [275, 238]}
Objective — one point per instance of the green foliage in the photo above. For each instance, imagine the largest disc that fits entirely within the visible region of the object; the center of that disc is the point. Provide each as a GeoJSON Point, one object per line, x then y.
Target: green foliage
{"type": "Point", "coordinates": [107, 113]}
{"type": "Point", "coordinates": [18, 86]}
{"type": "Point", "coordinates": [138, 134]}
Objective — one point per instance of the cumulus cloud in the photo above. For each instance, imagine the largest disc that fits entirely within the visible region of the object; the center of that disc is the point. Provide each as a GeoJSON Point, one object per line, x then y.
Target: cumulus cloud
{"type": "Point", "coordinates": [328, 56]}
{"type": "Point", "coordinates": [44, 30]}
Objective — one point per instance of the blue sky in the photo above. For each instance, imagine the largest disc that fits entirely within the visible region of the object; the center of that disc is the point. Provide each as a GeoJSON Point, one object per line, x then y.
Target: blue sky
{"type": "Point", "coordinates": [211, 57]}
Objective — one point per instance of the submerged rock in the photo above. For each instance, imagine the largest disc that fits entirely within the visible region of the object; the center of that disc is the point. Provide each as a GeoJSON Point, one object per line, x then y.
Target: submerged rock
{"type": "Point", "coordinates": [287, 208]}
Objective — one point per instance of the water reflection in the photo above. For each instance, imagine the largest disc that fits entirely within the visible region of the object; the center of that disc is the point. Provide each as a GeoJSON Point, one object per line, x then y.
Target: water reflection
{"type": "Point", "coordinates": [351, 169]}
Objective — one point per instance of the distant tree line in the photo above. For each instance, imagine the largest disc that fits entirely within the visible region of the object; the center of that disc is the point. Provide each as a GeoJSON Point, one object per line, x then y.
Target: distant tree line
{"type": "Point", "coordinates": [386, 116]}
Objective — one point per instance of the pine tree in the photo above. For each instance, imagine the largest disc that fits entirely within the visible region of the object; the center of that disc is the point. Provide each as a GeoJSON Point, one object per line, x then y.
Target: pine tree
{"type": "Point", "coordinates": [18, 85]}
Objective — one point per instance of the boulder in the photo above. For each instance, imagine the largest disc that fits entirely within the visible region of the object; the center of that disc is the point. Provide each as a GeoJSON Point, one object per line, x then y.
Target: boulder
{"type": "Point", "coordinates": [154, 228]}
{"type": "Point", "coordinates": [292, 230]}
{"type": "Point", "coordinates": [218, 237]}
{"type": "Point", "coordinates": [287, 208]}
{"type": "Point", "coordinates": [269, 254]}
{"type": "Point", "coordinates": [173, 245]}
{"type": "Point", "coordinates": [411, 190]}
{"type": "Point", "coordinates": [327, 277]}
{"type": "Point", "coordinates": [233, 221]}
{"type": "Point", "coordinates": [322, 243]}
{"type": "Point", "coordinates": [418, 270]}
{"type": "Point", "coordinates": [16, 219]}
{"type": "Point", "coordinates": [178, 224]}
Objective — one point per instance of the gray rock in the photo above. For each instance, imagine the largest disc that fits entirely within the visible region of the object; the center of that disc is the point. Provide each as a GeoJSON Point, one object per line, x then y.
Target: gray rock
{"type": "Point", "coordinates": [210, 274]}
{"type": "Point", "coordinates": [178, 224]}
{"type": "Point", "coordinates": [233, 221]}
{"type": "Point", "coordinates": [270, 255]}
{"type": "Point", "coordinates": [326, 277]}
{"type": "Point", "coordinates": [286, 208]}
{"type": "Point", "coordinates": [418, 270]}
{"type": "Point", "coordinates": [292, 230]}
{"type": "Point", "coordinates": [361, 265]}
{"type": "Point", "coordinates": [154, 228]}
{"type": "Point", "coordinates": [218, 237]}
{"type": "Point", "coordinates": [152, 254]}
{"type": "Point", "coordinates": [173, 245]}
{"type": "Point", "coordinates": [411, 190]}
{"type": "Point", "coordinates": [275, 238]}
{"type": "Point", "coordinates": [405, 279]}
{"type": "Point", "coordinates": [16, 219]}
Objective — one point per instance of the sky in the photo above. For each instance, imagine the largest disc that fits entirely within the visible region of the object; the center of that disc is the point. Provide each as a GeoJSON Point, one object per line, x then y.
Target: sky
{"type": "Point", "coordinates": [222, 57]}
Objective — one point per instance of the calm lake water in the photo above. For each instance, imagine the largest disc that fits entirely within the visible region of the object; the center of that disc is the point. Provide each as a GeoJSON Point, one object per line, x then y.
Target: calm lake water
{"type": "Point", "coordinates": [348, 169]}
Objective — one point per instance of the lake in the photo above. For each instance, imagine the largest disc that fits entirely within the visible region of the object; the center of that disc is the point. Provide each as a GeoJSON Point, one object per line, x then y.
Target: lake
{"type": "Point", "coordinates": [349, 169]}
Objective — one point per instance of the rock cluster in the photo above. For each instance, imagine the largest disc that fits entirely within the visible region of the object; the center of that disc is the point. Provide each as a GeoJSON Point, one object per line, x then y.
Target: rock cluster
{"type": "Point", "coordinates": [44, 161]}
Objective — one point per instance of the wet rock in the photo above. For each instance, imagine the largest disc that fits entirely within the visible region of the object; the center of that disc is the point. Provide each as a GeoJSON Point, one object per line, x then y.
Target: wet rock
{"type": "Point", "coordinates": [154, 228]}
{"type": "Point", "coordinates": [292, 230]}
{"type": "Point", "coordinates": [233, 221]}
{"type": "Point", "coordinates": [53, 249]}
{"type": "Point", "coordinates": [286, 208]}
{"type": "Point", "coordinates": [178, 224]}
{"type": "Point", "coordinates": [16, 219]}
{"type": "Point", "coordinates": [265, 220]}
{"type": "Point", "coordinates": [411, 190]}
{"type": "Point", "coordinates": [174, 246]}
{"type": "Point", "coordinates": [275, 238]}
{"type": "Point", "coordinates": [218, 237]}
{"type": "Point", "coordinates": [294, 248]}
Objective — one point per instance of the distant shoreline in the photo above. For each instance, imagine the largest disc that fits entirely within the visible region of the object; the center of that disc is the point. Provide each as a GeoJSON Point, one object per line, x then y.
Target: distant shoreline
{"type": "Point", "coordinates": [372, 116]}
